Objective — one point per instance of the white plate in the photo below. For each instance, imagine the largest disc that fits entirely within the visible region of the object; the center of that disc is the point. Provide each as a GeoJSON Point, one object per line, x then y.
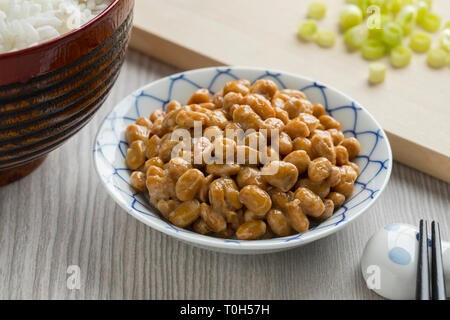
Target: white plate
{"type": "Point", "coordinates": [375, 159]}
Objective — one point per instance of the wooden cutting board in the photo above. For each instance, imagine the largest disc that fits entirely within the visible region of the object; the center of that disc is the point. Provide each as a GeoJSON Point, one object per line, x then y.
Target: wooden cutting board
{"type": "Point", "coordinates": [413, 104]}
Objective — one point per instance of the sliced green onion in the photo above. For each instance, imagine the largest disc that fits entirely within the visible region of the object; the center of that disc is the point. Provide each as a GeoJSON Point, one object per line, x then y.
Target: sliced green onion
{"type": "Point", "coordinates": [394, 6]}
{"type": "Point", "coordinates": [373, 49]}
{"type": "Point", "coordinates": [437, 58]}
{"type": "Point", "coordinates": [444, 39]}
{"type": "Point", "coordinates": [431, 22]}
{"type": "Point", "coordinates": [377, 72]}
{"type": "Point", "coordinates": [376, 34]}
{"type": "Point", "coordinates": [307, 30]}
{"type": "Point", "coordinates": [325, 38]}
{"type": "Point", "coordinates": [361, 4]}
{"type": "Point", "coordinates": [392, 34]}
{"type": "Point", "coordinates": [356, 36]}
{"type": "Point", "coordinates": [401, 56]}
{"type": "Point", "coordinates": [447, 25]}
{"type": "Point", "coordinates": [317, 10]}
{"type": "Point", "coordinates": [386, 18]}
{"type": "Point", "coordinates": [422, 11]}
{"type": "Point", "coordinates": [381, 4]}
{"type": "Point", "coordinates": [406, 18]}
{"type": "Point", "coordinates": [350, 16]}
{"type": "Point", "coordinates": [420, 41]}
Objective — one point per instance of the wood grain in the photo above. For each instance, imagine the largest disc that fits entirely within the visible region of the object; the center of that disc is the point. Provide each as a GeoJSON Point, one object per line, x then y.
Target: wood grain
{"type": "Point", "coordinates": [61, 215]}
{"type": "Point", "coordinates": [411, 105]}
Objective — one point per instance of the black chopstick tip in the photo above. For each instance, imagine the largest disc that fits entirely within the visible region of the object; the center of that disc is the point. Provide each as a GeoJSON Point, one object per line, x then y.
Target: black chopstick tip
{"type": "Point", "coordinates": [423, 274]}
{"type": "Point", "coordinates": [435, 226]}
{"type": "Point", "coordinates": [437, 274]}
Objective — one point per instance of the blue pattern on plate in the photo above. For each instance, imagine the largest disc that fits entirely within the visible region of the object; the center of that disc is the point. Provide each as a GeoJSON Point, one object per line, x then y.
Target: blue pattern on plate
{"type": "Point", "coordinates": [112, 138]}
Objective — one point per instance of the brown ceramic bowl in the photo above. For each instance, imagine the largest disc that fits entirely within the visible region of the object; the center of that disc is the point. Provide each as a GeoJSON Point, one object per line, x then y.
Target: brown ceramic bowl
{"type": "Point", "coordinates": [50, 91]}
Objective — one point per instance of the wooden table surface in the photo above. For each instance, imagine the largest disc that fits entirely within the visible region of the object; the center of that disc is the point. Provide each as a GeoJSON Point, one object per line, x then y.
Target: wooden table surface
{"type": "Point", "coordinates": [61, 216]}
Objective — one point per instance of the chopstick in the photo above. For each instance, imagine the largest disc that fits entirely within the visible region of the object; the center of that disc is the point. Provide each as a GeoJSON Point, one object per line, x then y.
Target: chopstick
{"type": "Point", "coordinates": [423, 273]}
{"type": "Point", "coordinates": [423, 282]}
{"type": "Point", "coordinates": [437, 269]}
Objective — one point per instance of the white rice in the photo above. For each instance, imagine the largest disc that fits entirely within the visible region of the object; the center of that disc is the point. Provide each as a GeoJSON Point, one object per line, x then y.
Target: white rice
{"type": "Point", "coordinates": [25, 23]}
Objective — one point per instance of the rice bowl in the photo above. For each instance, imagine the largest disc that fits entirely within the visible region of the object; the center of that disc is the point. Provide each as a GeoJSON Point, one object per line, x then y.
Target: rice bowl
{"type": "Point", "coordinates": [26, 23]}
{"type": "Point", "coordinates": [52, 89]}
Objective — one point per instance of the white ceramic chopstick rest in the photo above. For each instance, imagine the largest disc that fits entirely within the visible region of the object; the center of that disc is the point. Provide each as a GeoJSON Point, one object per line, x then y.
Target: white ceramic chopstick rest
{"type": "Point", "coordinates": [389, 261]}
